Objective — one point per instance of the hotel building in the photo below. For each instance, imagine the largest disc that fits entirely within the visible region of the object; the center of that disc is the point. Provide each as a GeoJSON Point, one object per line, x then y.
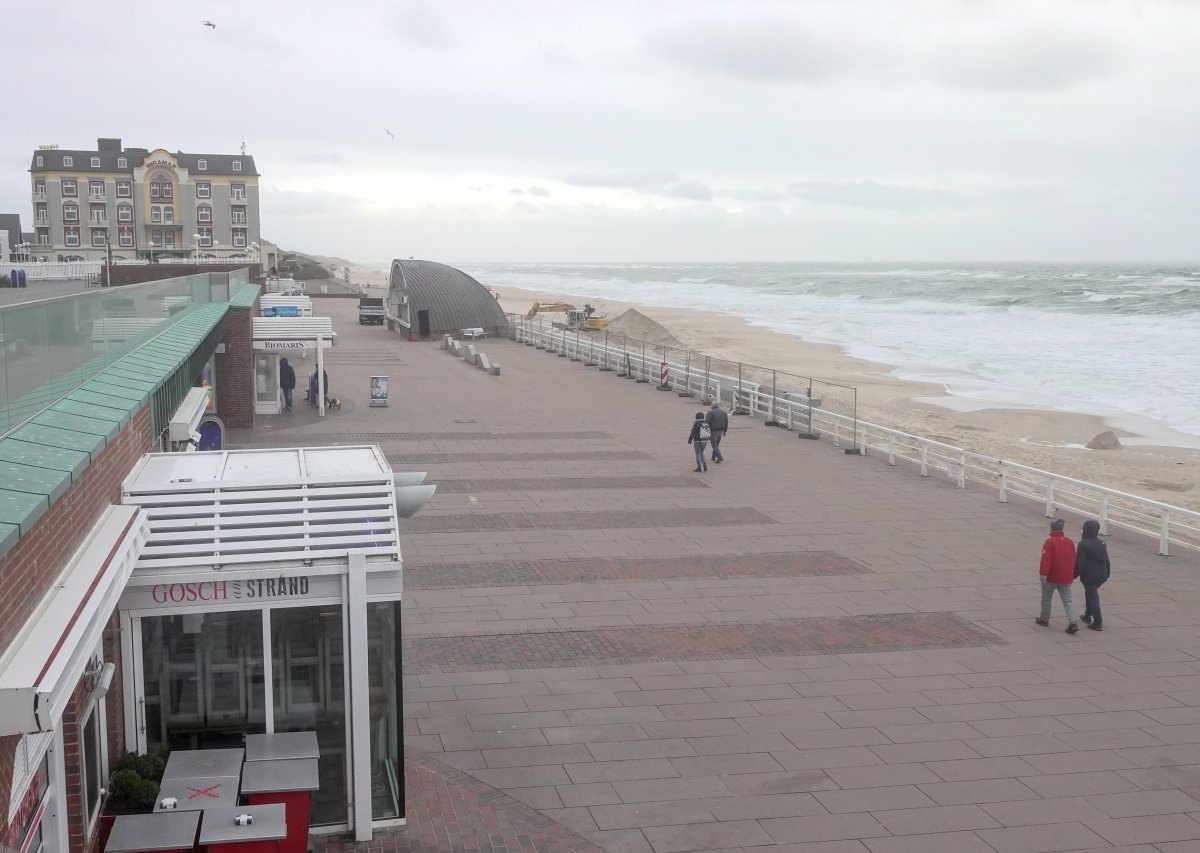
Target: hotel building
{"type": "Point", "coordinates": [143, 203]}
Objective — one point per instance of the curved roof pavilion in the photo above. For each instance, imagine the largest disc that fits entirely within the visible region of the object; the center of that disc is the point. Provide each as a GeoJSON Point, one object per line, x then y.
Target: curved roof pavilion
{"type": "Point", "coordinates": [427, 298]}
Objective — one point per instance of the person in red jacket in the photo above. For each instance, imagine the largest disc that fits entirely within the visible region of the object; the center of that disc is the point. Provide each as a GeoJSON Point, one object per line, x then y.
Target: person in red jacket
{"type": "Point", "coordinates": [1058, 573]}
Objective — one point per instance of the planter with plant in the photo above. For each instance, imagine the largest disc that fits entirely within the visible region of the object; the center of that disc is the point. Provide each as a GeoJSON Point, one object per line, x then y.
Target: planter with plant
{"type": "Point", "coordinates": [134, 785]}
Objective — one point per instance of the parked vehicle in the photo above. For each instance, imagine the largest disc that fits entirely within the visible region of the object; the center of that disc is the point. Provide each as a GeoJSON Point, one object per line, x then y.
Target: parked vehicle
{"type": "Point", "coordinates": [370, 310]}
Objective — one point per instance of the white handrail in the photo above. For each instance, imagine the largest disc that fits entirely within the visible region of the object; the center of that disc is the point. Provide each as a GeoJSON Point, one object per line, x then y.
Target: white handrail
{"type": "Point", "coordinates": [1167, 523]}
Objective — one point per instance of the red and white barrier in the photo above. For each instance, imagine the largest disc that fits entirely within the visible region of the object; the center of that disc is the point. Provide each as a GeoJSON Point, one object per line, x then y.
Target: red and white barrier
{"type": "Point", "coordinates": [664, 376]}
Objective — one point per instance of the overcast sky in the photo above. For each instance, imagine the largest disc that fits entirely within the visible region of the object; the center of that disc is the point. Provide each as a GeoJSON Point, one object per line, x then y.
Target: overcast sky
{"type": "Point", "coordinates": [648, 131]}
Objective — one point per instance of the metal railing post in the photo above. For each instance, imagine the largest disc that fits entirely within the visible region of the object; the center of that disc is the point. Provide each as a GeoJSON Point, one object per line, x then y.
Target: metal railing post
{"type": "Point", "coordinates": [737, 400]}
{"type": "Point", "coordinates": [1050, 498]}
{"type": "Point", "coordinates": [962, 469]}
{"type": "Point", "coordinates": [707, 372]}
{"type": "Point", "coordinates": [605, 366]}
{"type": "Point", "coordinates": [1104, 514]}
{"type": "Point", "coordinates": [770, 421]}
{"type": "Point", "coordinates": [1003, 482]}
{"type": "Point", "coordinates": [891, 448]}
{"type": "Point", "coordinates": [924, 459]}
{"type": "Point", "coordinates": [687, 375]}
{"type": "Point", "coordinates": [1164, 534]}
{"type": "Point", "coordinates": [645, 377]}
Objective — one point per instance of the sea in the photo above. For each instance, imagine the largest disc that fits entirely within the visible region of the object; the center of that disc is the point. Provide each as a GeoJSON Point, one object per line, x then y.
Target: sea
{"type": "Point", "coordinates": [1121, 341]}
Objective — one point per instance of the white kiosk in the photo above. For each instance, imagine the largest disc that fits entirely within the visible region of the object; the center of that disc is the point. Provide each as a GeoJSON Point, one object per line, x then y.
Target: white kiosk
{"type": "Point", "coordinates": [265, 600]}
{"type": "Point", "coordinates": [276, 337]}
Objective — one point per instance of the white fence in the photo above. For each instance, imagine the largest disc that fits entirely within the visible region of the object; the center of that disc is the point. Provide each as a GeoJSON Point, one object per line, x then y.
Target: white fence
{"type": "Point", "coordinates": [1167, 524]}
{"type": "Point", "coordinates": [53, 271]}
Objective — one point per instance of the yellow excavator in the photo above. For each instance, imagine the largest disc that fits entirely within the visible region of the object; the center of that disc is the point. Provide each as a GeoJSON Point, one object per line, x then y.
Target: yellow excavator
{"type": "Point", "coordinates": [577, 318]}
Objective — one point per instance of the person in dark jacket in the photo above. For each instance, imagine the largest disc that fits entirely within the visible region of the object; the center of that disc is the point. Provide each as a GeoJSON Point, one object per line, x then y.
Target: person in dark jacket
{"type": "Point", "coordinates": [697, 442]}
{"type": "Point", "coordinates": [313, 389]}
{"type": "Point", "coordinates": [718, 424]}
{"type": "Point", "coordinates": [1058, 573]}
{"type": "Point", "coordinates": [287, 382]}
{"type": "Point", "coordinates": [1092, 568]}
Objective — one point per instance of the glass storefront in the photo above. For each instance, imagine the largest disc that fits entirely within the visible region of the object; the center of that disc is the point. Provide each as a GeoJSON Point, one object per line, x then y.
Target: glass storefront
{"type": "Point", "coordinates": [203, 679]}
{"type": "Point", "coordinates": [308, 667]}
{"type": "Point", "coordinates": [387, 721]}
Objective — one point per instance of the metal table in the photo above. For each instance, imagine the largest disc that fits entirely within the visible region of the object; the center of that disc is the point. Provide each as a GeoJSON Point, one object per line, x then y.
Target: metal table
{"type": "Point", "coordinates": [221, 834]}
{"type": "Point", "coordinates": [289, 781]}
{"type": "Point", "coordinates": [282, 745]}
{"type": "Point", "coordinates": [198, 793]}
{"type": "Point", "coordinates": [190, 763]}
{"type": "Point", "coordinates": [153, 833]}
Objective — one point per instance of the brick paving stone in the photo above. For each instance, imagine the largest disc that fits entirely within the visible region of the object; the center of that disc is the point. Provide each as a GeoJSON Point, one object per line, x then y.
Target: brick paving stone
{"type": "Point", "coordinates": [823, 828]}
{"type": "Point", "coordinates": [874, 799]}
{"type": "Point", "coordinates": [564, 484]}
{"type": "Point", "coordinates": [529, 572]}
{"type": "Point", "coordinates": [459, 652]}
{"type": "Point", "coordinates": [706, 836]}
{"type": "Point", "coordinates": [449, 810]}
{"type": "Point", "coordinates": [587, 520]}
{"type": "Point", "coordinates": [942, 842]}
{"type": "Point", "coordinates": [532, 456]}
{"type": "Point", "coordinates": [1049, 838]}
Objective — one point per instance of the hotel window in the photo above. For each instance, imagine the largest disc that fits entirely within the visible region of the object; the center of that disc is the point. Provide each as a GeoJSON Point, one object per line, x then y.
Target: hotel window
{"type": "Point", "coordinates": [203, 189]}
{"type": "Point", "coordinates": [97, 213]}
{"type": "Point", "coordinates": [202, 165]}
{"type": "Point", "coordinates": [156, 214]}
{"type": "Point", "coordinates": [205, 237]}
{"type": "Point", "coordinates": [125, 237]}
{"type": "Point", "coordinates": [39, 160]}
{"type": "Point", "coordinates": [71, 236]}
{"type": "Point", "coordinates": [70, 213]}
{"type": "Point", "coordinates": [68, 161]}
{"type": "Point", "coordinates": [122, 163]}
{"type": "Point", "coordinates": [96, 189]}
{"type": "Point", "coordinates": [237, 192]}
{"type": "Point", "coordinates": [160, 187]}
{"type": "Point", "coordinates": [39, 186]}
{"type": "Point", "coordinates": [124, 213]}
{"type": "Point", "coordinates": [124, 189]}
{"type": "Point", "coordinates": [43, 237]}
{"type": "Point", "coordinates": [99, 238]}
{"type": "Point", "coordinates": [156, 237]}
{"type": "Point", "coordinates": [41, 213]}
{"type": "Point", "coordinates": [169, 239]}
{"type": "Point", "coordinates": [237, 165]}
{"type": "Point", "coordinates": [204, 213]}
{"type": "Point", "coordinates": [169, 213]}
{"type": "Point", "coordinates": [239, 237]}
{"type": "Point", "coordinates": [91, 744]}
{"type": "Point", "coordinates": [68, 186]}
{"type": "Point", "coordinates": [238, 216]}
{"type": "Point", "coordinates": [95, 162]}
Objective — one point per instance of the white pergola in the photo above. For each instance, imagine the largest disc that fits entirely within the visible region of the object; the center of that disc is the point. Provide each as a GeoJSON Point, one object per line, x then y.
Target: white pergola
{"type": "Point", "coordinates": [285, 335]}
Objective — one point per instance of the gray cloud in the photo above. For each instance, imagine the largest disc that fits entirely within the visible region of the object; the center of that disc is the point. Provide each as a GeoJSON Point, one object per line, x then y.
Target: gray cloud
{"type": "Point", "coordinates": [620, 180]}
{"type": "Point", "coordinates": [751, 194]}
{"type": "Point", "coordinates": [516, 191]}
{"type": "Point", "coordinates": [872, 194]}
{"type": "Point", "coordinates": [692, 190]}
{"type": "Point", "coordinates": [540, 192]}
{"type": "Point", "coordinates": [421, 24]}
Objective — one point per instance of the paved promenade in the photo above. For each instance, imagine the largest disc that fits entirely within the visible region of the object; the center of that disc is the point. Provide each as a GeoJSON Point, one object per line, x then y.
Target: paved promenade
{"type": "Point", "coordinates": [796, 651]}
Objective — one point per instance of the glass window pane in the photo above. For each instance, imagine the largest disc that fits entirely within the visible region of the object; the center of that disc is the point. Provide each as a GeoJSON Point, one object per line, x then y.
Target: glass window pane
{"type": "Point", "coordinates": [91, 762]}
{"type": "Point", "coordinates": [204, 679]}
{"type": "Point", "coordinates": [310, 695]}
{"type": "Point", "coordinates": [387, 723]}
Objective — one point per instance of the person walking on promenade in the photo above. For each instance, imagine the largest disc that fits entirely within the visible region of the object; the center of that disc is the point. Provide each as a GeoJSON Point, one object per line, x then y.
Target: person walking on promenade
{"type": "Point", "coordinates": [1092, 568]}
{"type": "Point", "coordinates": [287, 382]}
{"type": "Point", "coordinates": [313, 389]}
{"type": "Point", "coordinates": [699, 435]}
{"type": "Point", "coordinates": [1058, 573]}
{"type": "Point", "coordinates": [718, 424]}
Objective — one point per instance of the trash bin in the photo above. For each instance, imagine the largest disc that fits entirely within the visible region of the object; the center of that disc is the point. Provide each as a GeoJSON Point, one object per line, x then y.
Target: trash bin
{"type": "Point", "coordinates": [289, 782]}
{"type": "Point", "coordinates": [154, 833]}
{"type": "Point", "coordinates": [243, 829]}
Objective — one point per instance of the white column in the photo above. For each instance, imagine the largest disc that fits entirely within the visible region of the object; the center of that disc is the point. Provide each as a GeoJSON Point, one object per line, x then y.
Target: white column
{"type": "Point", "coordinates": [320, 377]}
{"type": "Point", "coordinates": [360, 711]}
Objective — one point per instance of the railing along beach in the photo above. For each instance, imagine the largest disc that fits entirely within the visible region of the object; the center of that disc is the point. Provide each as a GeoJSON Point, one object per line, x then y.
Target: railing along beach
{"type": "Point", "coordinates": [819, 409]}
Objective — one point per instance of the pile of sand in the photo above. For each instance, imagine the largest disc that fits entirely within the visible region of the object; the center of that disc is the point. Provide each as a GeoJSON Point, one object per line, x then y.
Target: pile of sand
{"type": "Point", "coordinates": [638, 327]}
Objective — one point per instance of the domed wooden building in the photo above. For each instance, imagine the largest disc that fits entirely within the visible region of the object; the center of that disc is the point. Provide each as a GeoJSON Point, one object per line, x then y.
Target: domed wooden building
{"type": "Point", "coordinates": [428, 299]}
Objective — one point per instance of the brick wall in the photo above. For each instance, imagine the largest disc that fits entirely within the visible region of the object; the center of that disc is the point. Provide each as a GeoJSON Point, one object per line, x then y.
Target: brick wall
{"type": "Point", "coordinates": [27, 571]}
{"type": "Point", "coordinates": [136, 274]}
{"type": "Point", "coordinates": [235, 369]}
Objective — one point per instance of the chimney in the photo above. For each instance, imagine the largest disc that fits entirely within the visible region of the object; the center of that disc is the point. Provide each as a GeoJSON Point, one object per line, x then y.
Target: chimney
{"type": "Point", "coordinates": [113, 145]}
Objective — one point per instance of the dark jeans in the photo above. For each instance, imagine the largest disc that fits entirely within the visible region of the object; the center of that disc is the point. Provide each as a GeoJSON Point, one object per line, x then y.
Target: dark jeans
{"type": "Point", "coordinates": [698, 446]}
{"type": "Point", "coordinates": [287, 397]}
{"type": "Point", "coordinates": [716, 443]}
{"type": "Point", "coordinates": [1091, 598]}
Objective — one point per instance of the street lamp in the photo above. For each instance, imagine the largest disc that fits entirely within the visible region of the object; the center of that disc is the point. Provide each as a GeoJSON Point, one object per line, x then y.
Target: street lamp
{"type": "Point", "coordinates": [152, 251]}
{"type": "Point", "coordinates": [23, 250]}
{"type": "Point", "coordinates": [196, 247]}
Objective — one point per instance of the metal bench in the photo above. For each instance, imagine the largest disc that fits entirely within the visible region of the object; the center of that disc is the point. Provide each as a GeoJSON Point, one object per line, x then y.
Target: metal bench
{"type": "Point", "coordinates": [473, 334]}
{"type": "Point", "coordinates": [108, 330]}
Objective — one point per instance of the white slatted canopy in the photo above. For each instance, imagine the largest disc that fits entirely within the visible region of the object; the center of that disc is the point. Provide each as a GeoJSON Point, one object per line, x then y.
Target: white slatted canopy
{"type": "Point", "coordinates": [274, 333]}
{"type": "Point", "coordinates": [265, 508]}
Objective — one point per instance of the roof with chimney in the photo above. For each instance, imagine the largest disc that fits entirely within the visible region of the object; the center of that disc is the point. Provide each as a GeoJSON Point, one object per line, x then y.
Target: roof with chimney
{"type": "Point", "coordinates": [109, 151]}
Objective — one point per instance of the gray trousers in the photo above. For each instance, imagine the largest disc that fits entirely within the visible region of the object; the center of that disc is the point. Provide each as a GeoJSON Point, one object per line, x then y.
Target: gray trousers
{"type": "Point", "coordinates": [1064, 593]}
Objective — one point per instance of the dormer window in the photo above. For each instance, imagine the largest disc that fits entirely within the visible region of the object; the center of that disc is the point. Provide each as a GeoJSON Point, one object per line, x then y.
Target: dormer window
{"type": "Point", "coordinates": [202, 165]}
{"type": "Point", "coordinates": [122, 162]}
{"type": "Point", "coordinates": [68, 161]}
{"type": "Point", "coordinates": [39, 160]}
{"type": "Point", "coordinates": [95, 162]}
{"type": "Point", "coordinates": [237, 165]}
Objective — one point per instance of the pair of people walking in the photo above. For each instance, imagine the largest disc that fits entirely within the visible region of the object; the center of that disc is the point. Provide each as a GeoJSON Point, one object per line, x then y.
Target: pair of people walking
{"type": "Point", "coordinates": [706, 427]}
{"type": "Point", "coordinates": [1062, 563]}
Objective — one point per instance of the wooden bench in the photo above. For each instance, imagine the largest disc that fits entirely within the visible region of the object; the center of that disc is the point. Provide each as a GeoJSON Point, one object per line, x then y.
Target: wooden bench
{"type": "Point", "coordinates": [473, 334]}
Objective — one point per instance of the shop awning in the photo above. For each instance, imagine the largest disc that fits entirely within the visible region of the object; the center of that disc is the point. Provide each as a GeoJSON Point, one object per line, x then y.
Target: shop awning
{"type": "Point", "coordinates": [284, 334]}
{"type": "Point", "coordinates": [50, 654]}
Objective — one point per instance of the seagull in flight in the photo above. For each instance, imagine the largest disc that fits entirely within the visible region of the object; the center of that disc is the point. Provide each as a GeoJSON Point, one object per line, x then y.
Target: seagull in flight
{"type": "Point", "coordinates": [389, 133]}
{"type": "Point", "coordinates": [209, 24]}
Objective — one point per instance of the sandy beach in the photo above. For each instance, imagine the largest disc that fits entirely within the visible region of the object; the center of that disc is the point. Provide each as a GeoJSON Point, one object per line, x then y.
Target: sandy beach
{"type": "Point", "coordinates": [1051, 440]}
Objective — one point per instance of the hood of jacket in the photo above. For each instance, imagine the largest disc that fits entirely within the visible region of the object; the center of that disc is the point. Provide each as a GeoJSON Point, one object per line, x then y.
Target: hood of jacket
{"type": "Point", "coordinates": [1091, 529]}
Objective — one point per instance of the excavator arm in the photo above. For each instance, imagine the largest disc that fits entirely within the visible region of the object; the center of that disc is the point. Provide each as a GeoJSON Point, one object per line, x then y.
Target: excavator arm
{"type": "Point", "coordinates": [550, 307]}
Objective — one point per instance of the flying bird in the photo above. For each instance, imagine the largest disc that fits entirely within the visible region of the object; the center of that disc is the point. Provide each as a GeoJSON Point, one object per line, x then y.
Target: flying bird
{"type": "Point", "coordinates": [209, 24]}
{"type": "Point", "coordinates": [389, 133]}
